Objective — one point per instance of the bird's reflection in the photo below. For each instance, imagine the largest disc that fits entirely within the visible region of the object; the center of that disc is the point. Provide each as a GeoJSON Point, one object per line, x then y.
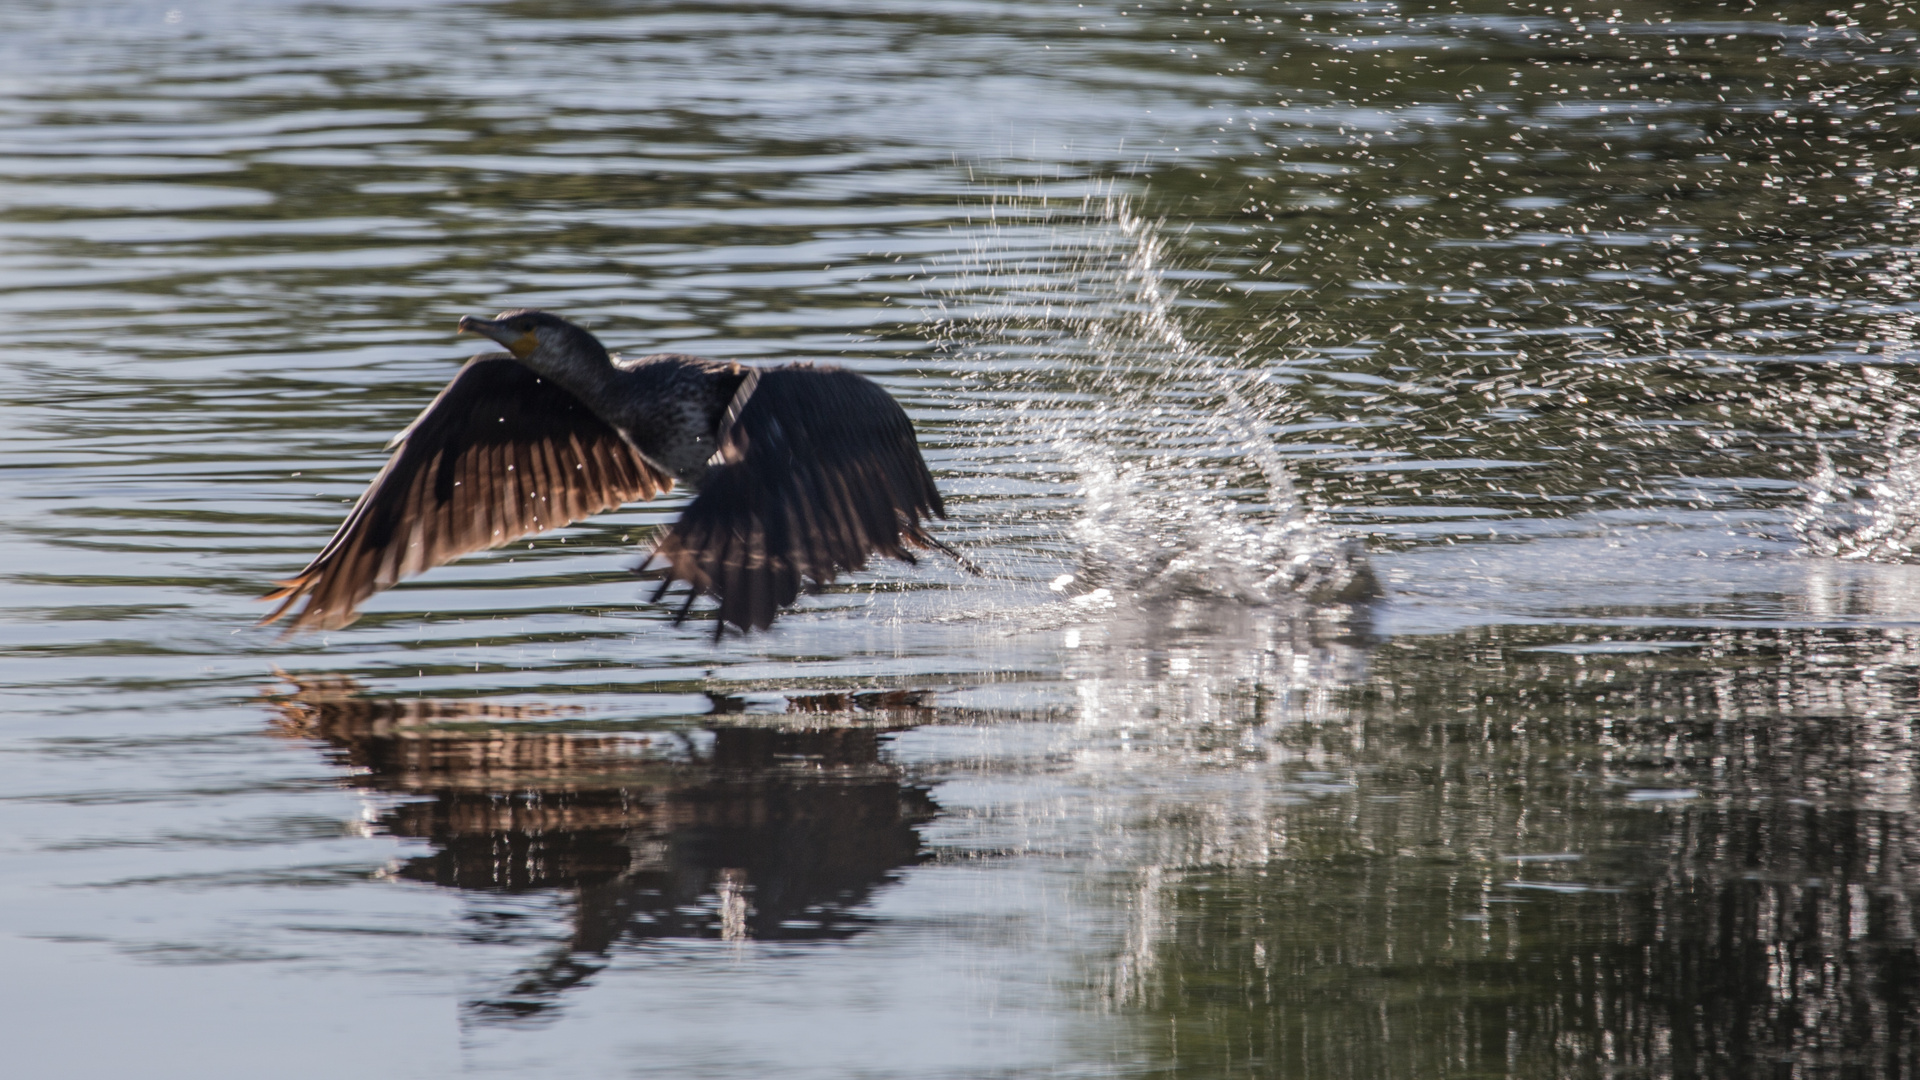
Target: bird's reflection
{"type": "Point", "coordinates": [733, 830]}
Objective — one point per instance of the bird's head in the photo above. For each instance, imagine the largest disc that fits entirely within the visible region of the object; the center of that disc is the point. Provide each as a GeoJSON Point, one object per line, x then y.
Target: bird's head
{"type": "Point", "coordinates": [544, 342]}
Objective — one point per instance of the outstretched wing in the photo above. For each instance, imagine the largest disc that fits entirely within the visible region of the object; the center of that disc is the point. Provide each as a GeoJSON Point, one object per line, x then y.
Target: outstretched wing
{"type": "Point", "coordinates": [817, 470]}
{"type": "Point", "coordinates": [501, 453]}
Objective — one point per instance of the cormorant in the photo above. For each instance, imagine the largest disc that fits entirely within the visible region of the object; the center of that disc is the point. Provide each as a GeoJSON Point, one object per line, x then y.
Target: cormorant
{"type": "Point", "coordinates": [803, 472]}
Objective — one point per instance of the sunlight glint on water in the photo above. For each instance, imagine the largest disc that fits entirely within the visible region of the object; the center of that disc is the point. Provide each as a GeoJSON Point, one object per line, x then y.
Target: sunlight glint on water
{"type": "Point", "coordinates": [1593, 324]}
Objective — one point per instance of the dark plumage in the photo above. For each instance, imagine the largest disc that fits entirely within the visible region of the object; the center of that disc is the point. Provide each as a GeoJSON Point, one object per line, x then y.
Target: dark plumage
{"type": "Point", "coordinates": [804, 472]}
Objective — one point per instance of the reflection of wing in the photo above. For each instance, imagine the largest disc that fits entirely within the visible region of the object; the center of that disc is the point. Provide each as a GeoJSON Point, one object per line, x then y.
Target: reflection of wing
{"type": "Point", "coordinates": [818, 470]}
{"type": "Point", "coordinates": [500, 454]}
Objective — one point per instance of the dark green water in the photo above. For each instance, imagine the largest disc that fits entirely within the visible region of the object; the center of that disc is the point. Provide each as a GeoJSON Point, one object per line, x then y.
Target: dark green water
{"type": "Point", "coordinates": [1443, 472]}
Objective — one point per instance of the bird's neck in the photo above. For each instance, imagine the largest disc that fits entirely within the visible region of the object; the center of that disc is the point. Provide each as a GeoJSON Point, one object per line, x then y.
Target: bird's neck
{"type": "Point", "coordinates": [592, 379]}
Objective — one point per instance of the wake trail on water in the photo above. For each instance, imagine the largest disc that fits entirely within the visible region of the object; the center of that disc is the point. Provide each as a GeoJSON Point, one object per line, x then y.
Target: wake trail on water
{"type": "Point", "coordinates": [1180, 491]}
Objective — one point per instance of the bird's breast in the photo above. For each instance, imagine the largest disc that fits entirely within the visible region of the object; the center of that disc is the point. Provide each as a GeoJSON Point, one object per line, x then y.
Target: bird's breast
{"type": "Point", "coordinates": [672, 414]}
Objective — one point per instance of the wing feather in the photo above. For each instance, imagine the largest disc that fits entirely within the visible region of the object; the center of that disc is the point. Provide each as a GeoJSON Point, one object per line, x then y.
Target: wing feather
{"type": "Point", "coordinates": [818, 470]}
{"type": "Point", "coordinates": [501, 453]}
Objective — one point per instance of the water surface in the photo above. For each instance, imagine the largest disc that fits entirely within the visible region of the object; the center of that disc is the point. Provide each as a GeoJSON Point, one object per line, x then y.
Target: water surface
{"type": "Point", "coordinates": [1443, 472]}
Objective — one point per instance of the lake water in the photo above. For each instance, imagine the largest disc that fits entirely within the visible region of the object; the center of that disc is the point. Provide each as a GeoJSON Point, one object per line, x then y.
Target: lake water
{"type": "Point", "coordinates": [1443, 471]}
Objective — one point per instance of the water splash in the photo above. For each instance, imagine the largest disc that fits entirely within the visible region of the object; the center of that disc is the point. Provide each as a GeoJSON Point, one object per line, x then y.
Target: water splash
{"type": "Point", "coordinates": [1181, 491]}
{"type": "Point", "coordinates": [1874, 518]}
{"type": "Point", "coordinates": [1159, 543]}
